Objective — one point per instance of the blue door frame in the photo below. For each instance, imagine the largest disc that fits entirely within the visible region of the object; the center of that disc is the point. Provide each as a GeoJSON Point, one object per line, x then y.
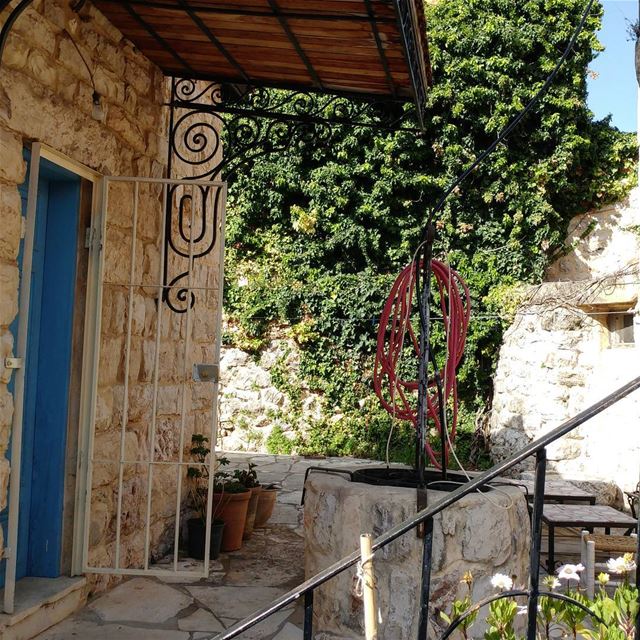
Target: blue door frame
{"type": "Point", "coordinates": [47, 372]}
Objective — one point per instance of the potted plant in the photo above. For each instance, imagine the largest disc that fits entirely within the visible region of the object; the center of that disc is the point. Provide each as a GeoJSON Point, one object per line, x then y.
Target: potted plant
{"type": "Point", "coordinates": [266, 503]}
{"type": "Point", "coordinates": [198, 477]}
{"type": "Point", "coordinates": [249, 478]}
{"type": "Point", "coordinates": [231, 502]}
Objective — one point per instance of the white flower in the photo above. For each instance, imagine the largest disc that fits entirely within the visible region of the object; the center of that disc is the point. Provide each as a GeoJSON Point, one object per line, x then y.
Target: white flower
{"type": "Point", "coordinates": [243, 281]}
{"type": "Point", "coordinates": [570, 572]}
{"type": "Point", "coordinates": [624, 564]}
{"type": "Point", "coordinates": [551, 582]}
{"type": "Point", "coordinates": [502, 582]}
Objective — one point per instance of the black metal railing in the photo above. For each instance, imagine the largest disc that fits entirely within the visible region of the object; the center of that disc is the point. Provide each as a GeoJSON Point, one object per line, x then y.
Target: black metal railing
{"type": "Point", "coordinates": [536, 448]}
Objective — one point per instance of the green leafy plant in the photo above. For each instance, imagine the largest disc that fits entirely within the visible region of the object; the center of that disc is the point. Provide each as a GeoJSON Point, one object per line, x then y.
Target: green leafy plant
{"type": "Point", "coordinates": [460, 607]}
{"type": "Point", "coordinates": [198, 478]}
{"type": "Point", "coordinates": [247, 477]}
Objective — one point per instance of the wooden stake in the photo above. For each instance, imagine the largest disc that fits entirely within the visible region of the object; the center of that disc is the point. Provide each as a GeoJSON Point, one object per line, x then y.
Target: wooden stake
{"type": "Point", "coordinates": [368, 588]}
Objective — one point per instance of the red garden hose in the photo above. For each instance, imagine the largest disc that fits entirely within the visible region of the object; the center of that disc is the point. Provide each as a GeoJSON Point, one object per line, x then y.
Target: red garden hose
{"type": "Point", "coordinates": [397, 395]}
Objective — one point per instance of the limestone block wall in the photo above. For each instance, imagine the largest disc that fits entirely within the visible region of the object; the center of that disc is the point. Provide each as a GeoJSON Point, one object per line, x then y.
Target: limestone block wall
{"type": "Point", "coordinates": [557, 357]}
{"type": "Point", "coordinates": [251, 404]}
{"type": "Point", "coordinates": [46, 95]}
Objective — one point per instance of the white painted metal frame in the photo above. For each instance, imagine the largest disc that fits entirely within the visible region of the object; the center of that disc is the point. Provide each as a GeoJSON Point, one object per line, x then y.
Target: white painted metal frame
{"type": "Point", "coordinates": [186, 388]}
{"type": "Point", "coordinates": [38, 151]}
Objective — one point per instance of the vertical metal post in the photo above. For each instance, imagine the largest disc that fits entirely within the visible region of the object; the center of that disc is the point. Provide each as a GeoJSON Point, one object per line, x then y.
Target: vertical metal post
{"type": "Point", "coordinates": [423, 288]}
{"type": "Point", "coordinates": [427, 552]}
{"type": "Point", "coordinates": [536, 542]}
{"type": "Point", "coordinates": [127, 362]}
{"type": "Point", "coordinates": [186, 388]}
{"type": "Point", "coordinates": [308, 615]}
{"type": "Point", "coordinates": [156, 377]}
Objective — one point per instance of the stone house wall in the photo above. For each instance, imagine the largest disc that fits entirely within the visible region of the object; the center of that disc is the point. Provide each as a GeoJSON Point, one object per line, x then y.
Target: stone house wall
{"type": "Point", "coordinates": [46, 96]}
{"type": "Point", "coordinates": [559, 356]}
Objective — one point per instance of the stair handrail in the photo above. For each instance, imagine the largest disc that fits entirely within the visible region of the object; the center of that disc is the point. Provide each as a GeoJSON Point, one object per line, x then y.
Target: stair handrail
{"type": "Point", "coordinates": [307, 587]}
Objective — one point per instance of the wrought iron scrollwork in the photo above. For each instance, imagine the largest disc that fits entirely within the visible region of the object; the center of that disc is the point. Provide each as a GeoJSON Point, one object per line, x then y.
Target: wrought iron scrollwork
{"type": "Point", "coordinates": [191, 233]}
{"type": "Point", "coordinates": [249, 122]}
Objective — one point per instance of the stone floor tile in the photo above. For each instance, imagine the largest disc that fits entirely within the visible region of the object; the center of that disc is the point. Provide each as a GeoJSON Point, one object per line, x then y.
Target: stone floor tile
{"type": "Point", "coordinates": [263, 572]}
{"type": "Point", "coordinates": [140, 600]}
{"type": "Point", "coordinates": [293, 482]}
{"type": "Point", "coordinates": [285, 514]}
{"type": "Point", "coordinates": [289, 632]}
{"type": "Point", "coordinates": [271, 477]}
{"type": "Point", "coordinates": [75, 629]}
{"type": "Point", "coordinates": [200, 620]}
{"type": "Point", "coordinates": [290, 497]}
{"type": "Point", "coordinates": [267, 628]}
{"type": "Point", "coordinates": [234, 602]}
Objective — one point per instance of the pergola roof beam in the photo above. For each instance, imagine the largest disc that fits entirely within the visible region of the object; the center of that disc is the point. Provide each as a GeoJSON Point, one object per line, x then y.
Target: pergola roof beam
{"type": "Point", "coordinates": [203, 27]}
{"type": "Point", "coordinates": [296, 45]}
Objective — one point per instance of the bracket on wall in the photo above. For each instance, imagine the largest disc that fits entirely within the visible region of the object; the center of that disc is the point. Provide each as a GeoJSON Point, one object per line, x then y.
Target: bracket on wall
{"type": "Point", "coordinates": [250, 122]}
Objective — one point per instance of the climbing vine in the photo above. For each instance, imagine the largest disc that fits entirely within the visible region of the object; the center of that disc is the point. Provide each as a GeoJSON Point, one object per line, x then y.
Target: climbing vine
{"type": "Point", "coordinates": [317, 235]}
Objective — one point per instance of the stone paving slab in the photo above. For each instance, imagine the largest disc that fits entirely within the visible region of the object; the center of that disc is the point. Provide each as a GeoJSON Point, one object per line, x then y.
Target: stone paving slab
{"type": "Point", "coordinates": [201, 620]}
{"type": "Point", "coordinates": [140, 600]}
{"type": "Point", "coordinates": [289, 632]}
{"type": "Point", "coordinates": [77, 629]}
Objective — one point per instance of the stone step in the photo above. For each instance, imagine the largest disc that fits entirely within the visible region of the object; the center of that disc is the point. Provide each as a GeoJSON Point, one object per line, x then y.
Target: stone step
{"type": "Point", "coordinates": [40, 603]}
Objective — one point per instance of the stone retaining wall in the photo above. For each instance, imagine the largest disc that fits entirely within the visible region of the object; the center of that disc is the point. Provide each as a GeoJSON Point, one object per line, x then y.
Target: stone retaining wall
{"type": "Point", "coordinates": [251, 404]}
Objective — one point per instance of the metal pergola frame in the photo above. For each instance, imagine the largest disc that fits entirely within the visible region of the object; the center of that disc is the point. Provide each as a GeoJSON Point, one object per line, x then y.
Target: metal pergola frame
{"type": "Point", "coordinates": [406, 19]}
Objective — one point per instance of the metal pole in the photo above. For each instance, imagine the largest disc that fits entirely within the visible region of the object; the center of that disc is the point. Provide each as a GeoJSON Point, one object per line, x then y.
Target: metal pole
{"type": "Point", "coordinates": [427, 552]}
{"type": "Point", "coordinates": [308, 615]}
{"type": "Point", "coordinates": [423, 289]}
{"type": "Point", "coordinates": [536, 542]}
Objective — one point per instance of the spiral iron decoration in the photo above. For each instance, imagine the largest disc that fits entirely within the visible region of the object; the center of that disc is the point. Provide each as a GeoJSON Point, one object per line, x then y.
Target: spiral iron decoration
{"type": "Point", "coordinates": [247, 122]}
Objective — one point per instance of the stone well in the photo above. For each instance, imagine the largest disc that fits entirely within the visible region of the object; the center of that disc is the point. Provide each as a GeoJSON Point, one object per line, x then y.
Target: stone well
{"type": "Point", "coordinates": [482, 533]}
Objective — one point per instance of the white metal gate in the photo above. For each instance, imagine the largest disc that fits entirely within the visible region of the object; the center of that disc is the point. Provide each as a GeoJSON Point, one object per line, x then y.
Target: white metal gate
{"type": "Point", "coordinates": [159, 307]}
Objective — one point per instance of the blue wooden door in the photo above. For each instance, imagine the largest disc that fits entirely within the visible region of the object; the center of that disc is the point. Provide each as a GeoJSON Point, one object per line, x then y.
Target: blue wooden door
{"type": "Point", "coordinates": [47, 373]}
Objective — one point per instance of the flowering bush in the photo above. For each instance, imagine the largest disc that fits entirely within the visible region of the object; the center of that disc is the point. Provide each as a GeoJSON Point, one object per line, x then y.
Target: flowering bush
{"type": "Point", "coordinates": [605, 617]}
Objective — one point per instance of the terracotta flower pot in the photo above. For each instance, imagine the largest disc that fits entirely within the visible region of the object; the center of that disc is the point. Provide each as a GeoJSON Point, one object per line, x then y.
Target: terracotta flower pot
{"type": "Point", "coordinates": [251, 512]}
{"type": "Point", "coordinates": [232, 509]}
{"type": "Point", "coordinates": [266, 503]}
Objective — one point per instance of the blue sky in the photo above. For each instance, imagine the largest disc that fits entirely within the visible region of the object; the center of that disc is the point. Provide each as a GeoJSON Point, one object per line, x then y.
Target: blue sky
{"type": "Point", "coordinates": [614, 91]}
